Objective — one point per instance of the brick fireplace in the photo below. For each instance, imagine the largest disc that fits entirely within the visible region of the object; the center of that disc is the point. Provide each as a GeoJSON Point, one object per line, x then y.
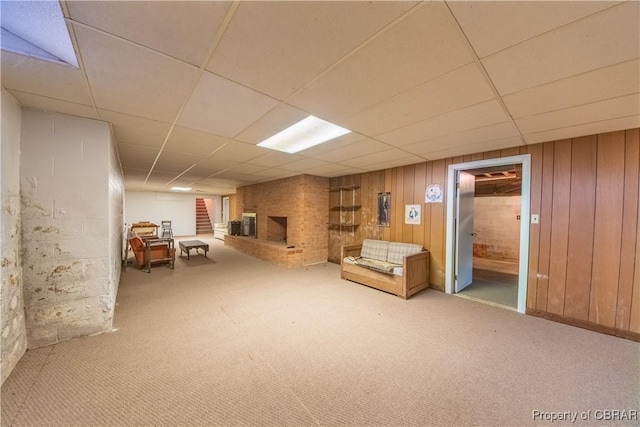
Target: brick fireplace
{"type": "Point", "coordinates": [292, 217]}
{"type": "Point", "coordinates": [277, 228]}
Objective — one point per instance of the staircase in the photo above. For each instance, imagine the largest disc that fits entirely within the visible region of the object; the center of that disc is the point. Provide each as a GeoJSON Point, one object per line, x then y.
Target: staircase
{"type": "Point", "coordinates": [203, 223]}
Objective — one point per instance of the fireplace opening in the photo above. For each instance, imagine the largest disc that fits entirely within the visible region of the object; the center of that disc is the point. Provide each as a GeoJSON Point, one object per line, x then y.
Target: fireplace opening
{"type": "Point", "coordinates": [277, 228]}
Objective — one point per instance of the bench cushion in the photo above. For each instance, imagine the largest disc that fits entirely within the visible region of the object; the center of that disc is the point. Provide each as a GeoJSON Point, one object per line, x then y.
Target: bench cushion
{"type": "Point", "coordinates": [375, 249]}
{"type": "Point", "coordinates": [397, 251]}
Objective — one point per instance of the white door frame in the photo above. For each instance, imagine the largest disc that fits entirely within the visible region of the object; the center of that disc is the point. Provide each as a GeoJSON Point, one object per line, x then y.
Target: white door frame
{"type": "Point", "coordinates": [525, 160]}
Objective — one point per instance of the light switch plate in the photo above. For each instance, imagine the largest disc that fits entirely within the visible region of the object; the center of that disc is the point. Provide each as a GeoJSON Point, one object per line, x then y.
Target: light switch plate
{"type": "Point", "coordinates": [535, 219]}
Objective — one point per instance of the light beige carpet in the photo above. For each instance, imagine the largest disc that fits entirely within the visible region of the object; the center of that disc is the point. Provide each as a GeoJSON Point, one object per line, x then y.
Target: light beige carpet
{"type": "Point", "coordinates": [231, 340]}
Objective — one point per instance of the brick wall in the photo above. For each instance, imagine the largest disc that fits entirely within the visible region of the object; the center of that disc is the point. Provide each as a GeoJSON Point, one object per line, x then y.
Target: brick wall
{"type": "Point", "coordinates": [497, 227]}
{"type": "Point", "coordinates": [303, 200]}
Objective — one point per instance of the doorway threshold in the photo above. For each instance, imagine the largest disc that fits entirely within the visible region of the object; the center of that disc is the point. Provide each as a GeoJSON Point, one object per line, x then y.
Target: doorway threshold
{"type": "Point", "coordinates": [484, 301]}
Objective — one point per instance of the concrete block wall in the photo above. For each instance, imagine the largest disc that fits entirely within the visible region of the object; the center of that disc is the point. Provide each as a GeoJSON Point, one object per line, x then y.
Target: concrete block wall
{"type": "Point", "coordinates": [13, 341]}
{"type": "Point", "coordinates": [70, 189]}
{"type": "Point", "coordinates": [497, 226]}
{"type": "Point", "coordinates": [303, 200]}
{"type": "Point", "coordinates": [117, 228]}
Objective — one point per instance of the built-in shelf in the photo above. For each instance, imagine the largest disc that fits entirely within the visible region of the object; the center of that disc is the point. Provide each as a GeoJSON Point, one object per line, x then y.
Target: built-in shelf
{"type": "Point", "coordinates": [344, 206]}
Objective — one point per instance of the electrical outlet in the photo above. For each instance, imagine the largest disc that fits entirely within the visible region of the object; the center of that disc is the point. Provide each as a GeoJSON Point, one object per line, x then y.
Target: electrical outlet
{"type": "Point", "coordinates": [535, 219]}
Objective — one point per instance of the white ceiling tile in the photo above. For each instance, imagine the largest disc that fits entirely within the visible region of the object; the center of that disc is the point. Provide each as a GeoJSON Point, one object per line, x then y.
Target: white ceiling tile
{"type": "Point", "coordinates": [333, 170]}
{"type": "Point", "coordinates": [142, 90]}
{"type": "Point", "coordinates": [597, 111]}
{"type": "Point", "coordinates": [271, 173]}
{"type": "Point", "coordinates": [470, 137]}
{"type": "Point", "coordinates": [604, 39]}
{"type": "Point", "coordinates": [333, 144]}
{"type": "Point", "coordinates": [277, 47]}
{"type": "Point", "coordinates": [303, 165]}
{"type": "Point", "coordinates": [213, 164]}
{"type": "Point", "coordinates": [352, 150]}
{"type": "Point", "coordinates": [169, 167]}
{"type": "Point", "coordinates": [604, 83]}
{"type": "Point", "coordinates": [271, 123]}
{"type": "Point", "coordinates": [222, 107]}
{"type": "Point", "coordinates": [476, 116]}
{"type": "Point", "coordinates": [274, 159]}
{"type": "Point", "coordinates": [191, 25]}
{"type": "Point", "coordinates": [239, 152]}
{"type": "Point", "coordinates": [491, 26]}
{"type": "Point", "coordinates": [393, 163]}
{"type": "Point", "coordinates": [161, 178]}
{"type": "Point", "coordinates": [584, 129]}
{"type": "Point", "coordinates": [463, 87]}
{"type": "Point", "coordinates": [177, 158]}
{"type": "Point", "coordinates": [194, 142]}
{"type": "Point", "coordinates": [246, 169]}
{"type": "Point", "coordinates": [136, 130]}
{"type": "Point", "coordinates": [51, 104]}
{"type": "Point", "coordinates": [43, 78]}
{"type": "Point", "coordinates": [138, 153]}
{"type": "Point", "coordinates": [366, 160]}
{"type": "Point", "coordinates": [460, 150]}
{"type": "Point", "coordinates": [425, 45]}
{"type": "Point", "coordinates": [132, 173]}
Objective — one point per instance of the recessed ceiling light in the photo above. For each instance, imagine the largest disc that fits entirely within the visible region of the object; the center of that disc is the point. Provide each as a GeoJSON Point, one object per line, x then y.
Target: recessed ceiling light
{"type": "Point", "coordinates": [304, 134]}
{"type": "Point", "coordinates": [181, 188]}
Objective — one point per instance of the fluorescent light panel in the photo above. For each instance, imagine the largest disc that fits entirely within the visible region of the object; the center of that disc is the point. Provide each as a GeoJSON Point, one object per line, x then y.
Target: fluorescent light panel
{"type": "Point", "coordinates": [181, 188]}
{"type": "Point", "coordinates": [304, 134]}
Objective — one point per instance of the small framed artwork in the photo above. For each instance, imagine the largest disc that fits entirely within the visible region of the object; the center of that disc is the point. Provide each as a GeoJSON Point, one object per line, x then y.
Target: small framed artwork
{"type": "Point", "coordinates": [412, 214]}
{"type": "Point", "coordinates": [384, 209]}
{"type": "Point", "coordinates": [433, 194]}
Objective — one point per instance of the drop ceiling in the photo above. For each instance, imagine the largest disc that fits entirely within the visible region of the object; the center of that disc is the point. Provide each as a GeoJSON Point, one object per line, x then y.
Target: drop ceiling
{"type": "Point", "coordinates": [191, 87]}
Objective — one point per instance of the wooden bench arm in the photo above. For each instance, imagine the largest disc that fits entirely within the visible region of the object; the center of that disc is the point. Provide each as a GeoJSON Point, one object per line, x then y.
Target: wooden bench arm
{"type": "Point", "coordinates": [350, 250]}
{"type": "Point", "coordinates": [416, 268]}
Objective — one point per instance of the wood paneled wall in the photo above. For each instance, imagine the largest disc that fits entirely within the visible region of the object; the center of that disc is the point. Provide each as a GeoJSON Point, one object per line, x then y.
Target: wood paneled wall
{"type": "Point", "coordinates": [584, 255]}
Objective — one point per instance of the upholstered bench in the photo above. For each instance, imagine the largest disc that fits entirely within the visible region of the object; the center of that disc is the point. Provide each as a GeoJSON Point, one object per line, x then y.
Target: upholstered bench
{"type": "Point", "coordinates": [398, 268]}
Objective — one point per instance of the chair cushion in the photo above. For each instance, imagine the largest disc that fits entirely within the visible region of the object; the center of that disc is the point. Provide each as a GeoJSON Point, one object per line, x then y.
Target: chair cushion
{"type": "Point", "coordinates": [397, 251]}
{"type": "Point", "coordinates": [375, 249]}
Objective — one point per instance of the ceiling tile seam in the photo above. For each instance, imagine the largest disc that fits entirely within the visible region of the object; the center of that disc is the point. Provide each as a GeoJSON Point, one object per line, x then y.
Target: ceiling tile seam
{"type": "Point", "coordinates": [356, 49]}
{"type": "Point", "coordinates": [195, 82]}
{"type": "Point", "coordinates": [211, 154]}
{"type": "Point", "coordinates": [424, 141]}
{"type": "Point", "coordinates": [47, 97]}
{"type": "Point", "coordinates": [411, 89]}
{"type": "Point", "coordinates": [614, 5]}
{"type": "Point", "coordinates": [578, 105]}
{"type": "Point", "coordinates": [85, 77]}
{"type": "Point", "coordinates": [353, 51]}
{"type": "Point", "coordinates": [574, 75]}
{"type": "Point", "coordinates": [286, 100]}
{"type": "Point", "coordinates": [584, 124]}
{"type": "Point", "coordinates": [435, 116]}
{"type": "Point", "coordinates": [484, 73]}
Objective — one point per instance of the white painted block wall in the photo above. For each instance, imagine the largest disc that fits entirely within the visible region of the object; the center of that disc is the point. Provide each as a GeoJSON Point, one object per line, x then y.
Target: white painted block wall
{"type": "Point", "coordinates": [13, 341]}
{"type": "Point", "coordinates": [70, 263]}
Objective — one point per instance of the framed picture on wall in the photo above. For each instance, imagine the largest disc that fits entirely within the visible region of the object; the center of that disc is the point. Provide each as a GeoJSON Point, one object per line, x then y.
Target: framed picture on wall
{"type": "Point", "coordinates": [412, 214]}
{"type": "Point", "coordinates": [384, 209]}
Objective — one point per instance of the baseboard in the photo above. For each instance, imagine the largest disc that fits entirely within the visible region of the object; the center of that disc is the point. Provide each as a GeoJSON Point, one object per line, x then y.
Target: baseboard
{"type": "Point", "coordinates": [633, 336]}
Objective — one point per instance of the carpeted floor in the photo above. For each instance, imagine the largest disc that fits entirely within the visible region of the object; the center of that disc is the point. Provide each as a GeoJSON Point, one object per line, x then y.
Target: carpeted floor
{"type": "Point", "coordinates": [231, 340]}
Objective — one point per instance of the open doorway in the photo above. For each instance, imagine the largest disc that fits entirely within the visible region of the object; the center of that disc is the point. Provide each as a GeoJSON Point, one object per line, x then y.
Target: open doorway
{"type": "Point", "coordinates": [498, 272]}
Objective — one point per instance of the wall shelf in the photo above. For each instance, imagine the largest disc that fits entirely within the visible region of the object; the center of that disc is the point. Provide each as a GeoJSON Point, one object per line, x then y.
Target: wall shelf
{"type": "Point", "coordinates": [344, 206]}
